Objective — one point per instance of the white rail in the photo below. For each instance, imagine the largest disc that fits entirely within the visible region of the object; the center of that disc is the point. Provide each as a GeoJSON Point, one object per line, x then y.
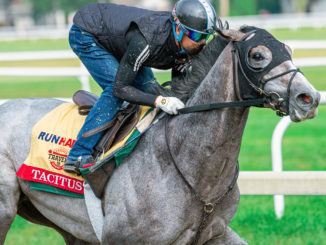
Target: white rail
{"type": "Point", "coordinates": [305, 44]}
{"type": "Point", "coordinates": [277, 21]}
{"type": "Point", "coordinates": [271, 21]}
{"type": "Point", "coordinates": [63, 99]}
{"type": "Point", "coordinates": [80, 72]}
{"type": "Point", "coordinates": [37, 55]}
{"type": "Point", "coordinates": [41, 72]}
{"type": "Point", "coordinates": [282, 183]}
{"type": "Point", "coordinates": [277, 155]}
{"type": "Point", "coordinates": [309, 62]}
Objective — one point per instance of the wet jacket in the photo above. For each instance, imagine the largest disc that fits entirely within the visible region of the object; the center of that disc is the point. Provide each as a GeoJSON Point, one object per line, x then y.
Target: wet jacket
{"type": "Point", "coordinates": [136, 37]}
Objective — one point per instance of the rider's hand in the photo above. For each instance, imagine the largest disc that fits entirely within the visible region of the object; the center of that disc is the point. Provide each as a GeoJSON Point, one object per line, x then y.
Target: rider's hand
{"type": "Point", "coordinates": [169, 104]}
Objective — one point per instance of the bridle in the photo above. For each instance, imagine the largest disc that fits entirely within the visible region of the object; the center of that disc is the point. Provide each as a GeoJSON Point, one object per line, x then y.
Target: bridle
{"type": "Point", "coordinates": [261, 96]}
{"type": "Point", "coordinates": [272, 98]}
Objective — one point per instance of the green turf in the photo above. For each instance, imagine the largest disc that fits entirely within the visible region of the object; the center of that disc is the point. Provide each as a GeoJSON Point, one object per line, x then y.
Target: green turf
{"type": "Point", "coordinates": [42, 63]}
{"type": "Point", "coordinates": [303, 53]}
{"type": "Point", "coordinates": [21, 87]}
{"type": "Point", "coordinates": [34, 45]}
{"type": "Point", "coordinates": [302, 145]}
{"type": "Point", "coordinates": [304, 221]}
{"type": "Point", "coordinates": [25, 233]}
{"type": "Point", "coordinates": [36, 87]}
{"type": "Point", "coordinates": [300, 34]}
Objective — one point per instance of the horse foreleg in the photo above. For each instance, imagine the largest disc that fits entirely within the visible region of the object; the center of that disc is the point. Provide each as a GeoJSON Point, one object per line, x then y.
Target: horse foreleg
{"type": "Point", "coordinates": [9, 195]}
{"type": "Point", "coordinates": [228, 237]}
{"type": "Point", "coordinates": [27, 210]}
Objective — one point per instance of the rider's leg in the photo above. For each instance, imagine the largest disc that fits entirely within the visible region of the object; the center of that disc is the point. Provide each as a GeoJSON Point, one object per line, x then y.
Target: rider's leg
{"type": "Point", "coordinates": [103, 67]}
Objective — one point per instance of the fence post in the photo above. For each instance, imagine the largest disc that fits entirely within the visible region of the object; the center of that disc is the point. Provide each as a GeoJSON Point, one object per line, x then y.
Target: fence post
{"type": "Point", "coordinates": [277, 154]}
{"type": "Point", "coordinates": [277, 160]}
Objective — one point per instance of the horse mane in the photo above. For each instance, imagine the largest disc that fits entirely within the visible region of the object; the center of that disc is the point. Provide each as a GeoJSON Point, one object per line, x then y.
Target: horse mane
{"type": "Point", "coordinates": [184, 86]}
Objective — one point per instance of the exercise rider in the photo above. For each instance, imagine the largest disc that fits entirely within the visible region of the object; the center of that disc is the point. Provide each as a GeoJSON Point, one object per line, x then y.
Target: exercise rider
{"type": "Point", "coordinates": [118, 45]}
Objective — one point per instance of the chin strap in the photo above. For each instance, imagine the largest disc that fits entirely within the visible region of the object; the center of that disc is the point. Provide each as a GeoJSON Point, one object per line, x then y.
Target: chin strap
{"type": "Point", "coordinates": [179, 38]}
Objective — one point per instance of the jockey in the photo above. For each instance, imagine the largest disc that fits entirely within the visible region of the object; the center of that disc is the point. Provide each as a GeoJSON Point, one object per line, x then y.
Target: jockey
{"type": "Point", "coordinates": [118, 45]}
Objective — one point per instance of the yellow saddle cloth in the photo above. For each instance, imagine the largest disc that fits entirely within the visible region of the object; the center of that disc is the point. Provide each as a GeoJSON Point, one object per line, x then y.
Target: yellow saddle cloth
{"type": "Point", "coordinates": [52, 138]}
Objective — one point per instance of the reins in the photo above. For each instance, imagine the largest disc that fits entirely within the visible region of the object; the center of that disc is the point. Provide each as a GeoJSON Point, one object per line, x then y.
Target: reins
{"type": "Point", "coordinates": [213, 106]}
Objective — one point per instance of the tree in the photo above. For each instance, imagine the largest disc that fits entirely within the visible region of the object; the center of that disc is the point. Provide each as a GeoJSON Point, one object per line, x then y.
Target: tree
{"type": "Point", "coordinates": [69, 6]}
{"type": "Point", "coordinates": [43, 7]}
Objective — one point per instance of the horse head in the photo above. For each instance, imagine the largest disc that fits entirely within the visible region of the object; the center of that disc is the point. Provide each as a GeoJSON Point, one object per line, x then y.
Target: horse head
{"type": "Point", "coordinates": [264, 68]}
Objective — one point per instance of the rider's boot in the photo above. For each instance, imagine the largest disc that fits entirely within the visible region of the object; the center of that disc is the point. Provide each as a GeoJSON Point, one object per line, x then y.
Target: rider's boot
{"type": "Point", "coordinates": [74, 166]}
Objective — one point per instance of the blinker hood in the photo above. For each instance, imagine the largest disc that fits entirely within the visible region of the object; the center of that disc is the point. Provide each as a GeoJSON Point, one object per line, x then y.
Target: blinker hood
{"type": "Point", "coordinates": [279, 55]}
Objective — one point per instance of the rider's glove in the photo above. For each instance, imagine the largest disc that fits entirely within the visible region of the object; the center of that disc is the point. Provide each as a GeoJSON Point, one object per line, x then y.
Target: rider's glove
{"type": "Point", "coordinates": [169, 104]}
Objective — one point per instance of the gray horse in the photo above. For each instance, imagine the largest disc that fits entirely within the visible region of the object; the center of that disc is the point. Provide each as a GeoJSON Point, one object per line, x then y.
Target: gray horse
{"type": "Point", "coordinates": [179, 168]}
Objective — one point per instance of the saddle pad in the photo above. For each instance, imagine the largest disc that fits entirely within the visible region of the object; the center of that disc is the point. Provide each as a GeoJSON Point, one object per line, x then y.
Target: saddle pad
{"type": "Point", "coordinates": [51, 140]}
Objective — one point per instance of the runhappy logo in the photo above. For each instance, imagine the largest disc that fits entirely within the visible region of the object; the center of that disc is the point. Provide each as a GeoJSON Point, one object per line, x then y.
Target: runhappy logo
{"type": "Point", "coordinates": [59, 140]}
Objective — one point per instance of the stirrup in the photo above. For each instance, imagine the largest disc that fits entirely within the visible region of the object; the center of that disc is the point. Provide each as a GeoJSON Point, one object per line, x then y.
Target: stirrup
{"type": "Point", "coordinates": [75, 166]}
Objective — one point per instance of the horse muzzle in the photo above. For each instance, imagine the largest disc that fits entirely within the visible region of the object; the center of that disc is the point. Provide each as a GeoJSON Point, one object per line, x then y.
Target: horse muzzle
{"type": "Point", "coordinates": [304, 106]}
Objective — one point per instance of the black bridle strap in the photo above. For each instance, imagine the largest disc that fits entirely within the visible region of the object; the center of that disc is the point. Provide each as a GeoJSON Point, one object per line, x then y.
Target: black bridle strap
{"type": "Point", "coordinates": [287, 99]}
{"type": "Point", "coordinates": [279, 75]}
{"type": "Point", "coordinates": [289, 88]}
{"type": "Point", "coordinates": [208, 107]}
{"type": "Point", "coordinates": [247, 35]}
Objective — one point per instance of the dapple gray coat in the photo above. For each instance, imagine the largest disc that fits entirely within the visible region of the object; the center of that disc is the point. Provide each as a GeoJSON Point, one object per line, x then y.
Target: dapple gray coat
{"type": "Point", "coordinates": [146, 200]}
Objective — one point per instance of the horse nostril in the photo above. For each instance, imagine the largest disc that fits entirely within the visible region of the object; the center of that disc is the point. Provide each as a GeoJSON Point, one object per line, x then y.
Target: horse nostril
{"type": "Point", "coordinates": [304, 99]}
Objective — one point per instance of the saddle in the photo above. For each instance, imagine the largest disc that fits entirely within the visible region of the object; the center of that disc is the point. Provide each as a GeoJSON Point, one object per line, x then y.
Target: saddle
{"type": "Point", "coordinates": [116, 129]}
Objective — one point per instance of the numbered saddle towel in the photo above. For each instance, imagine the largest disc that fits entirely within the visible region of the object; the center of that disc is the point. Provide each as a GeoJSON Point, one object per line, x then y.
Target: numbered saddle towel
{"type": "Point", "coordinates": [52, 138]}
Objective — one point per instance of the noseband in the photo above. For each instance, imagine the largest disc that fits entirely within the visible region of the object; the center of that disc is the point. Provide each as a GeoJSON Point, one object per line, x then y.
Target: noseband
{"type": "Point", "coordinates": [273, 96]}
{"type": "Point", "coordinates": [254, 94]}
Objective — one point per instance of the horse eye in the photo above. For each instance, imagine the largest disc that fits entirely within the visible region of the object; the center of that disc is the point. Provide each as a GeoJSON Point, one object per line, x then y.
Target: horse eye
{"type": "Point", "coordinates": [257, 56]}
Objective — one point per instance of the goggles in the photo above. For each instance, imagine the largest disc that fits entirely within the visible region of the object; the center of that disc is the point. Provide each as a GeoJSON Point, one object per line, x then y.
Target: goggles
{"type": "Point", "coordinates": [194, 35]}
{"type": "Point", "coordinates": [197, 37]}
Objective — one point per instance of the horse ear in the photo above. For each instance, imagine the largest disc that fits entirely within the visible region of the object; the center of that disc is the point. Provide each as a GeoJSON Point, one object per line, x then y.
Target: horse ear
{"type": "Point", "coordinates": [231, 35]}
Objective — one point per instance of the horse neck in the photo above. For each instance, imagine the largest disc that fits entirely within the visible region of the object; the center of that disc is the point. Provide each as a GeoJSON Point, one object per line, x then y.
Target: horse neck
{"type": "Point", "coordinates": [206, 145]}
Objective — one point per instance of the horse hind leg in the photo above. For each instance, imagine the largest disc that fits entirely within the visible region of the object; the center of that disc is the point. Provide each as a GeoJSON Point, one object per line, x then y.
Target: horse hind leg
{"type": "Point", "coordinates": [9, 195]}
{"type": "Point", "coordinates": [228, 237]}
